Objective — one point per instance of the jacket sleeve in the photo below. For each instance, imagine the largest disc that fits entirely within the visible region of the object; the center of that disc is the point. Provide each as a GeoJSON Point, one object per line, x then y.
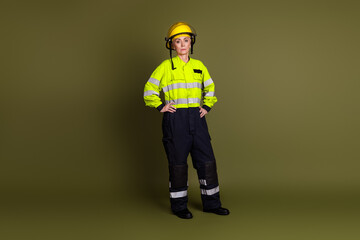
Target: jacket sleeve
{"type": "Point", "coordinates": [152, 89]}
{"type": "Point", "coordinates": [208, 91]}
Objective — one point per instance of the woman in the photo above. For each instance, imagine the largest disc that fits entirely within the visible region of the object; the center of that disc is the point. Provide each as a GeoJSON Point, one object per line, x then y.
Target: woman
{"type": "Point", "coordinates": [186, 83]}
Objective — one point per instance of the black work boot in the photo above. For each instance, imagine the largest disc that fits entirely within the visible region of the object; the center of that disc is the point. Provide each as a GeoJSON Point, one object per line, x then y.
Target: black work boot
{"type": "Point", "coordinates": [218, 211]}
{"type": "Point", "coordinates": [185, 213]}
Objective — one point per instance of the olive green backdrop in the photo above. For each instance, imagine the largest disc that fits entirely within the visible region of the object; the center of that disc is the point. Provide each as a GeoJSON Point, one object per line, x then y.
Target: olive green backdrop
{"type": "Point", "coordinates": [75, 131]}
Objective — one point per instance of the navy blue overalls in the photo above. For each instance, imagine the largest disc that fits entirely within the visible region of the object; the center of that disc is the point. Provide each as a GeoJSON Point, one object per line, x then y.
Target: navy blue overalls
{"type": "Point", "coordinates": [185, 132]}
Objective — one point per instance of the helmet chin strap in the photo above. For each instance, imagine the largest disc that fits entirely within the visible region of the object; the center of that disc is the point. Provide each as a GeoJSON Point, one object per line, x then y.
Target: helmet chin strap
{"type": "Point", "coordinates": [192, 43]}
{"type": "Point", "coordinates": [172, 64]}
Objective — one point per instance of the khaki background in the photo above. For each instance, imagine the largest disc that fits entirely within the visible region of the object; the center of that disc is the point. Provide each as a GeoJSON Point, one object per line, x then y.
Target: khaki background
{"type": "Point", "coordinates": [81, 156]}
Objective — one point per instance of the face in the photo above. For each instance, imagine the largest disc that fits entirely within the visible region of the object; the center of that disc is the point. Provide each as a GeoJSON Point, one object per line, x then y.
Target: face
{"type": "Point", "coordinates": [182, 45]}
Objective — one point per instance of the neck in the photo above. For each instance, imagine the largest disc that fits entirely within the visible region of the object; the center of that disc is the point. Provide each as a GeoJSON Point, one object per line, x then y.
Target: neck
{"type": "Point", "coordinates": [184, 57]}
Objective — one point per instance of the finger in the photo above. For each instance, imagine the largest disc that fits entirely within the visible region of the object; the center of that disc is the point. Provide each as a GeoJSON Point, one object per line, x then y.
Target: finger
{"type": "Point", "coordinates": [170, 105]}
{"type": "Point", "coordinates": [204, 113]}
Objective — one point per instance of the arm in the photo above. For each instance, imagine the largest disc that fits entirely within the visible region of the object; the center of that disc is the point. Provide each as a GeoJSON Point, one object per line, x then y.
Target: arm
{"type": "Point", "coordinates": [208, 91]}
{"type": "Point", "coordinates": [152, 92]}
{"type": "Point", "coordinates": [152, 89]}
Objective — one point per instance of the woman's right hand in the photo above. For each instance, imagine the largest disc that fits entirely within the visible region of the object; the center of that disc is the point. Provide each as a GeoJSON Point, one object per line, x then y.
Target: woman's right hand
{"type": "Point", "coordinates": [169, 108]}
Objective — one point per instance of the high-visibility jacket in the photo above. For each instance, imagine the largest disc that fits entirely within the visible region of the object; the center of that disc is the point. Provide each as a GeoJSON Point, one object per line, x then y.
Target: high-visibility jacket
{"type": "Point", "coordinates": [187, 85]}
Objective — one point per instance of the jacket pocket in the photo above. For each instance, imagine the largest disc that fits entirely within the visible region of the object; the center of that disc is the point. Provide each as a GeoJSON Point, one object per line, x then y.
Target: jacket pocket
{"type": "Point", "coordinates": [197, 77]}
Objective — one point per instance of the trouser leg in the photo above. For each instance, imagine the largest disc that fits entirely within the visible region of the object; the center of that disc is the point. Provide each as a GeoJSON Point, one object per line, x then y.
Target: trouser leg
{"type": "Point", "coordinates": [177, 144]}
{"type": "Point", "coordinates": [204, 162]}
{"type": "Point", "coordinates": [209, 185]}
{"type": "Point", "coordinates": [178, 178]}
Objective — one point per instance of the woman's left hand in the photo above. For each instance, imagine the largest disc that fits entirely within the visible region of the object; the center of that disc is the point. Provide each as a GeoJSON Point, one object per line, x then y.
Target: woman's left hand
{"type": "Point", "coordinates": [203, 112]}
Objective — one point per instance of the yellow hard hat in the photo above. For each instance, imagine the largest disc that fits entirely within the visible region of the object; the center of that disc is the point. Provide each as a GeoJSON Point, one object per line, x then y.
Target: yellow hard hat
{"type": "Point", "coordinates": [180, 29]}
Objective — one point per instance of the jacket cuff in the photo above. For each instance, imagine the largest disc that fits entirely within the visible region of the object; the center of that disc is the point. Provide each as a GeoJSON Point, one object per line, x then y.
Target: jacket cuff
{"type": "Point", "coordinates": [159, 108]}
{"type": "Point", "coordinates": [207, 108]}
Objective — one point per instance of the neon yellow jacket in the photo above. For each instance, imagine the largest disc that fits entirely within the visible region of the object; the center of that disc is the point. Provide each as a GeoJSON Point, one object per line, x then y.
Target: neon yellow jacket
{"type": "Point", "coordinates": [187, 86]}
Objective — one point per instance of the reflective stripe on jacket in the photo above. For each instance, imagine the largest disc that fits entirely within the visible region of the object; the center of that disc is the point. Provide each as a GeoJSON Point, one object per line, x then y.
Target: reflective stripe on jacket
{"type": "Point", "coordinates": [186, 86]}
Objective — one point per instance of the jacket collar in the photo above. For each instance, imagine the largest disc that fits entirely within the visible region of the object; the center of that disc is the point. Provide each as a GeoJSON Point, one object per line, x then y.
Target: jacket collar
{"type": "Point", "coordinates": [180, 63]}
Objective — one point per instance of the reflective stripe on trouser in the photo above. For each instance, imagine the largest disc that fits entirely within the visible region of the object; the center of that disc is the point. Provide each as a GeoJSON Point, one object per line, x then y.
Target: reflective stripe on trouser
{"type": "Point", "coordinates": [185, 132]}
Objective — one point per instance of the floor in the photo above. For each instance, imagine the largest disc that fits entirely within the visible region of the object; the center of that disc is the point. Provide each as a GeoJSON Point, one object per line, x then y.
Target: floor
{"type": "Point", "coordinates": [255, 214]}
